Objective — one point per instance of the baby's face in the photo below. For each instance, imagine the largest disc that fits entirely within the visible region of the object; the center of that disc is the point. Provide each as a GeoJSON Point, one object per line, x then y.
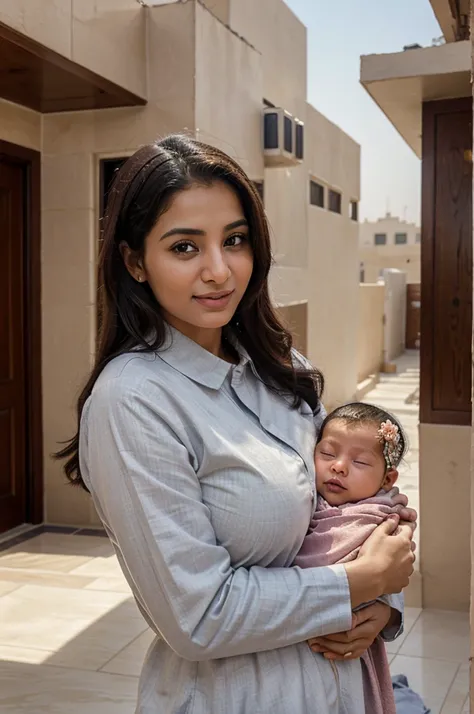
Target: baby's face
{"type": "Point", "coordinates": [350, 465]}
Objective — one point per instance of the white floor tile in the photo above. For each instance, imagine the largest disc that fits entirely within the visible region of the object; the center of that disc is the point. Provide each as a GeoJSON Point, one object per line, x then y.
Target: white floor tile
{"type": "Point", "coordinates": [457, 694]}
{"type": "Point", "coordinates": [39, 689]}
{"type": "Point", "coordinates": [130, 660]}
{"type": "Point", "coordinates": [411, 616]}
{"type": "Point", "coordinates": [430, 678]}
{"type": "Point", "coordinates": [439, 634]}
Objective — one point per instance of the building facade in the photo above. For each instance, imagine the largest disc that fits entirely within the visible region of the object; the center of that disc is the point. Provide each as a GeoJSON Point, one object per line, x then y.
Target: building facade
{"type": "Point", "coordinates": [389, 243]}
{"type": "Point", "coordinates": [427, 95]}
{"type": "Point", "coordinates": [84, 85]}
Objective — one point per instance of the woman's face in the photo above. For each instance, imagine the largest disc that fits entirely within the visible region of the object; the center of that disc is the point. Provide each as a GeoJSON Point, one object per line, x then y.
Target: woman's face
{"type": "Point", "coordinates": [198, 260]}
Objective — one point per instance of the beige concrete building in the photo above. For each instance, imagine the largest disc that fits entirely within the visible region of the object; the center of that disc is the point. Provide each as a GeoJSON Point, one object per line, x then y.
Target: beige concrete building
{"type": "Point", "coordinates": [83, 85]}
{"type": "Point", "coordinates": [427, 95]}
{"type": "Point", "coordinates": [389, 243]}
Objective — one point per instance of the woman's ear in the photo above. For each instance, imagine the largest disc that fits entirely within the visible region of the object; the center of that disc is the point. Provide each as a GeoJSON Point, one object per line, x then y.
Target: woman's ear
{"type": "Point", "coordinates": [132, 262]}
{"type": "Point", "coordinates": [390, 479]}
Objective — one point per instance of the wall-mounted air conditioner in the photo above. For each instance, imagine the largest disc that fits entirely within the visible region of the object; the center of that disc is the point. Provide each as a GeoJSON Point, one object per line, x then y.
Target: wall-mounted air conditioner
{"type": "Point", "coordinates": [283, 138]}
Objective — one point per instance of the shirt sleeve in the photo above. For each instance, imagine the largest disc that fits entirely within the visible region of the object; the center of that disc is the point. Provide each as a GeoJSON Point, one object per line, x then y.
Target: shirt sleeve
{"type": "Point", "coordinates": [396, 602]}
{"type": "Point", "coordinates": [142, 477]}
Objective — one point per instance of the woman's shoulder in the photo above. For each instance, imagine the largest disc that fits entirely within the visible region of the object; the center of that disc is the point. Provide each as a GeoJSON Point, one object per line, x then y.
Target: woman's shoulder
{"type": "Point", "coordinates": [134, 375]}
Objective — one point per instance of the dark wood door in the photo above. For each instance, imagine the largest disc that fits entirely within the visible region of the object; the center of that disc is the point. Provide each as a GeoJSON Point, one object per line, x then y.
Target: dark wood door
{"type": "Point", "coordinates": [413, 316]}
{"type": "Point", "coordinates": [446, 259]}
{"type": "Point", "coordinates": [12, 346]}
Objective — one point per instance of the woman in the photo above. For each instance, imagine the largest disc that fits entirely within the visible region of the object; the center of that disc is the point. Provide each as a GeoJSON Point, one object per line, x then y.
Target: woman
{"type": "Point", "coordinates": [196, 437]}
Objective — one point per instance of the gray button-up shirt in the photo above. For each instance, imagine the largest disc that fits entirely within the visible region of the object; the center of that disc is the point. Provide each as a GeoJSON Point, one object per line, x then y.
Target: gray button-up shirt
{"type": "Point", "coordinates": [204, 480]}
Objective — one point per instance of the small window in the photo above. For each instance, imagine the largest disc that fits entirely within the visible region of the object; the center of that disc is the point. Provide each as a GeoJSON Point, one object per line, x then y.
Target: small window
{"type": "Point", "coordinates": [380, 239]}
{"type": "Point", "coordinates": [418, 238]}
{"type": "Point", "coordinates": [259, 185]}
{"type": "Point", "coordinates": [288, 134]}
{"type": "Point", "coordinates": [334, 201]}
{"type": "Point", "coordinates": [316, 194]}
{"type": "Point", "coordinates": [400, 238]}
{"type": "Point", "coordinates": [354, 211]}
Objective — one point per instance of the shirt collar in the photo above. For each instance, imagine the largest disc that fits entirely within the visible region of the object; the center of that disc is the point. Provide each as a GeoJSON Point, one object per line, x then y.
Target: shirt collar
{"type": "Point", "coordinates": [192, 360]}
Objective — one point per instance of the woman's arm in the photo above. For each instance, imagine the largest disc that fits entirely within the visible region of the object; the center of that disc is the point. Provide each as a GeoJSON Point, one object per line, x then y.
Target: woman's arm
{"type": "Point", "coordinates": [147, 492]}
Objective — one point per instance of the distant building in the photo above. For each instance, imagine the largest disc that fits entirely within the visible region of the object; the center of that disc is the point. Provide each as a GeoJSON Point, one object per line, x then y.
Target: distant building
{"type": "Point", "coordinates": [389, 243]}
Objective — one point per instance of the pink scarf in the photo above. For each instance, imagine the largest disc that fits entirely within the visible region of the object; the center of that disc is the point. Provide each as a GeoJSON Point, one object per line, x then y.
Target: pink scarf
{"type": "Point", "coordinates": [336, 534]}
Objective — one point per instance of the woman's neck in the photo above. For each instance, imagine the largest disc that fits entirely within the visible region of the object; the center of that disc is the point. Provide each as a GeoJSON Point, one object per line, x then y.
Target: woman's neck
{"type": "Point", "coordinates": [209, 339]}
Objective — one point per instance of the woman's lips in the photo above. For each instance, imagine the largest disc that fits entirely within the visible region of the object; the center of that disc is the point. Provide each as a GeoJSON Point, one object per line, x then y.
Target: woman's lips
{"type": "Point", "coordinates": [214, 302]}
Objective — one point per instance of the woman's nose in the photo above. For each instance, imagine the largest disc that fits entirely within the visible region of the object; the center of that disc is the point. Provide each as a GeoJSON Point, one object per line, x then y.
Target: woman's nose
{"type": "Point", "coordinates": [216, 268]}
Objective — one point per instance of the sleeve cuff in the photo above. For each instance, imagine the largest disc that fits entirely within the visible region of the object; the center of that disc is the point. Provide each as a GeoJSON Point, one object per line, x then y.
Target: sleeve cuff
{"type": "Point", "coordinates": [396, 602]}
{"type": "Point", "coordinates": [338, 618]}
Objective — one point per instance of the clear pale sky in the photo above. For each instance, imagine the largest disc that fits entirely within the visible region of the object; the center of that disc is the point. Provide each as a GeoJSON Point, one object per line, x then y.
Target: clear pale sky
{"type": "Point", "coordinates": [338, 33]}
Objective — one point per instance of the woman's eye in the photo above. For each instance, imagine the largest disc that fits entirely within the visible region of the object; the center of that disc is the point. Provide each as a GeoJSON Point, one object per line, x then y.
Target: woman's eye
{"type": "Point", "coordinates": [236, 239]}
{"type": "Point", "coordinates": [183, 248]}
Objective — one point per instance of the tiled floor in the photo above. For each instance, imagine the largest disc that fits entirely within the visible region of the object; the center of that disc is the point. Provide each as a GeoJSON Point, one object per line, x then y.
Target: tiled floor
{"type": "Point", "coordinates": [72, 639]}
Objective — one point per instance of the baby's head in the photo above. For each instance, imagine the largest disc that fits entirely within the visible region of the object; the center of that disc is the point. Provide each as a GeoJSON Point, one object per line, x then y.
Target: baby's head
{"type": "Point", "coordinates": [358, 452]}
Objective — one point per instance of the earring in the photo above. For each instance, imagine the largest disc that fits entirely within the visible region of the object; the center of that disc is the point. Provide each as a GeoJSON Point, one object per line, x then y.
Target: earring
{"type": "Point", "coordinates": [139, 278]}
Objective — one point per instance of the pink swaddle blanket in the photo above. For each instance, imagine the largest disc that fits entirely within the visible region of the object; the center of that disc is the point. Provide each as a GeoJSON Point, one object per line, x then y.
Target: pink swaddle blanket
{"type": "Point", "coordinates": [335, 535]}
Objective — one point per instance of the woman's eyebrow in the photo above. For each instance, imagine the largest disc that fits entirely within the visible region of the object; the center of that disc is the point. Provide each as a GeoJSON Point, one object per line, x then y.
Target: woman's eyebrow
{"type": "Point", "coordinates": [198, 232]}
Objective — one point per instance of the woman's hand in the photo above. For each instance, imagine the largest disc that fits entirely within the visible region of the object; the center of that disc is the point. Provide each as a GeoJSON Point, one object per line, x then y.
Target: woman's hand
{"type": "Point", "coordinates": [366, 625]}
{"type": "Point", "coordinates": [384, 564]}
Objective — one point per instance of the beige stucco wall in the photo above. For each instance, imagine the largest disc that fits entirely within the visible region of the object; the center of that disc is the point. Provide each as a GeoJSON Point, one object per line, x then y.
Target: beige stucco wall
{"type": "Point", "coordinates": [295, 319]}
{"type": "Point", "coordinates": [105, 36]}
{"type": "Point", "coordinates": [401, 257]}
{"type": "Point", "coordinates": [370, 330]}
{"type": "Point", "coordinates": [333, 278]}
{"type": "Point", "coordinates": [272, 28]}
{"type": "Point", "coordinates": [445, 519]}
{"type": "Point", "coordinates": [229, 70]}
{"type": "Point", "coordinates": [388, 225]}
{"type": "Point", "coordinates": [395, 314]}
{"type": "Point", "coordinates": [73, 144]}
{"type": "Point", "coordinates": [220, 8]}
{"type": "Point", "coordinates": [19, 125]}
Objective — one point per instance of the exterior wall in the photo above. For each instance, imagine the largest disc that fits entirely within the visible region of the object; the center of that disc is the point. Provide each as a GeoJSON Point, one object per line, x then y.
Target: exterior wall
{"type": "Point", "coordinates": [295, 318]}
{"type": "Point", "coordinates": [105, 36]}
{"type": "Point", "coordinates": [219, 8]}
{"type": "Point", "coordinates": [333, 158]}
{"type": "Point", "coordinates": [370, 335]}
{"type": "Point", "coordinates": [19, 125]}
{"type": "Point", "coordinates": [373, 261]}
{"type": "Point", "coordinates": [401, 257]}
{"type": "Point", "coordinates": [272, 28]}
{"type": "Point", "coordinates": [230, 69]}
{"type": "Point", "coordinates": [445, 522]}
{"type": "Point", "coordinates": [73, 143]}
{"type": "Point", "coordinates": [395, 314]}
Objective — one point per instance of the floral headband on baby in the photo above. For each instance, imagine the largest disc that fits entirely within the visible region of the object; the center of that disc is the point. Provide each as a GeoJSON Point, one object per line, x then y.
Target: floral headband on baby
{"type": "Point", "coordinates": [389, 434]}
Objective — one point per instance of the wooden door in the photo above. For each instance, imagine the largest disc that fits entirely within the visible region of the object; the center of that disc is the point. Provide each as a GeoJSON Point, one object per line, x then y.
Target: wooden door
{"type": "Point", "coordinates": [12, 346]}
{"type": "Point", "coordinates": [446, 263]}
{"type": "Point", "coordinates": [413, 316]}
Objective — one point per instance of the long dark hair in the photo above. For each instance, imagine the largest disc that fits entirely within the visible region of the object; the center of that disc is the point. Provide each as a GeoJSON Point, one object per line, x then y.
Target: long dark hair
{"type": "Point", "coordinates": [129, 312]}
